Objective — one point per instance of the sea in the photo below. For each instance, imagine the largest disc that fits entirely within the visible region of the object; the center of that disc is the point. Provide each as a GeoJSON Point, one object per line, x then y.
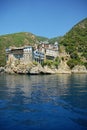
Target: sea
{"type": "Point", "coordinates": [43, 102]}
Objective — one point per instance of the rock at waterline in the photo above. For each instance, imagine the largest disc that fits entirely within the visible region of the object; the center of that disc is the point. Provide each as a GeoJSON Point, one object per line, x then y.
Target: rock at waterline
{"type": "Point", "coordinates": [2, 69]}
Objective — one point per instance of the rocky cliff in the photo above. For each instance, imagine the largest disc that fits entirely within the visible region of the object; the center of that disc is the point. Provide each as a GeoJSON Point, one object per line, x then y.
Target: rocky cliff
{"type": "Point", "coordinates": [32, 68]}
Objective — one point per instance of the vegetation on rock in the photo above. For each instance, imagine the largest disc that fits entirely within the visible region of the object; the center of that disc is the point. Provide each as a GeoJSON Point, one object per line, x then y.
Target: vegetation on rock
{"type": "Point", "coordinates": [75, 42]}
{"type": "Point", "coordinates": [52, 63]}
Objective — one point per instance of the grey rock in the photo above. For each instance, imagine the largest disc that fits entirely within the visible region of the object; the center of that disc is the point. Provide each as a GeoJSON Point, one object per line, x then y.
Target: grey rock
{"type": "Point", "coordinates": [2, 69]}
{"type": "Point", "coordinates": [79, 69]}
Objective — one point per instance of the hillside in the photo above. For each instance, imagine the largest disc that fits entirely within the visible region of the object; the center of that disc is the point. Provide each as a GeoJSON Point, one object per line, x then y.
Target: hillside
{"type": "Point", "coordinates": [75, 42]}
{"type": "Point", "coordinates": [55, 39]}
{"type": "Point", "coordinates": [17, 39]}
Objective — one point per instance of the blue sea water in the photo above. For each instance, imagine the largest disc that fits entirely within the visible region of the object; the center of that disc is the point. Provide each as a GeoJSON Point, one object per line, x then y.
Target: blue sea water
{"type": "Point", "coordinates": [43, 102]}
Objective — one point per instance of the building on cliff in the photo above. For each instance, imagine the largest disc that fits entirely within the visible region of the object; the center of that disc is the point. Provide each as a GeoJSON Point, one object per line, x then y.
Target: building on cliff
{"type": "Point", "coordinates": [39, 56]}
{"type": "Point", "coordinates": [24, 54]}
{"type": "Point", "coordinates": [28, 54]}
{"type": "Point", "coordinates": [50, 50]}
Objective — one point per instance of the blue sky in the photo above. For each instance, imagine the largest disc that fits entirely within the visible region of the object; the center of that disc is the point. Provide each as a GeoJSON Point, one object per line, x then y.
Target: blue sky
{"type": "Point", "coordinates": [49, 18]}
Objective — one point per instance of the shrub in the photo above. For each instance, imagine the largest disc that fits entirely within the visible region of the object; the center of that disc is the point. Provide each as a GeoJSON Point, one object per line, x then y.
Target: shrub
{"type": "Point", "coordinates": [85, 64]}
{"type": "Point", "coordinates": [51, 63]}
{"type": "Point", "coordinates": [35, 63]}
{"type": "Point", "coordinates": [72, 62]}
{"type": "Point", "coordinates": [74, 55]}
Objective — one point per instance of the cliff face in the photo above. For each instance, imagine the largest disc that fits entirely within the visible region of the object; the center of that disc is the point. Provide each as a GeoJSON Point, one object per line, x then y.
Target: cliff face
{"type": "Point", "coordinates": [20, 67]}
{"type": "Point", "coordinates": [79, 69]}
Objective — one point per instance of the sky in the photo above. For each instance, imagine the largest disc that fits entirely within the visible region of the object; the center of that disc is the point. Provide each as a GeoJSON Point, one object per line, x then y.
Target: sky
{"type": "Point", "coordinates": [48, 18]}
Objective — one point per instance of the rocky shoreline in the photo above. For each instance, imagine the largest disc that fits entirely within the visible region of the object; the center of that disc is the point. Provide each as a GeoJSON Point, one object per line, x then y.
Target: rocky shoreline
{"type": "Point", "coordinates": [38, 69]}
{"type": "Point", "coordinates": [2, 69]}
